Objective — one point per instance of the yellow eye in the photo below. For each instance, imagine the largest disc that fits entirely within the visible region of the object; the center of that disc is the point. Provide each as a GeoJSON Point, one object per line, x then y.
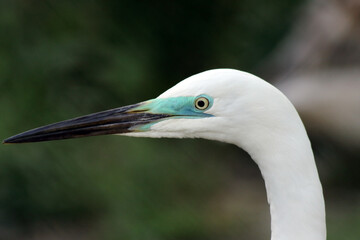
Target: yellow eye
{"type": "Point", "coordinates": [202, 103]}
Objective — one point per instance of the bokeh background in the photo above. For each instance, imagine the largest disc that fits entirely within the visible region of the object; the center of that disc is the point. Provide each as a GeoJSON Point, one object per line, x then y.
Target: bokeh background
{"type": "Point", "coordinates": [62, 59]}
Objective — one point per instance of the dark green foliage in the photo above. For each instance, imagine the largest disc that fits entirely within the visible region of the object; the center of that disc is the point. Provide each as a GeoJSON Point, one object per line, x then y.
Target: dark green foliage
{"type": "Point", "coordinates": [61, 59]}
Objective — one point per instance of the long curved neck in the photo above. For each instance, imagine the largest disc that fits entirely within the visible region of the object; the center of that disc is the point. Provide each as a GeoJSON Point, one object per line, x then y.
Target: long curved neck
{"type": "Point", "coordinates": [293, 187]}
{"type": "Point", "coordinates": [295, 196]}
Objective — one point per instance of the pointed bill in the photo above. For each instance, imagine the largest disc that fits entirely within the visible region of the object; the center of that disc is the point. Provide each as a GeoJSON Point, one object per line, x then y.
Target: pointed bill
{"type": "Point", "coordinates": [133, 118]}
{"type": "Point", "coordinates": [113, 121]}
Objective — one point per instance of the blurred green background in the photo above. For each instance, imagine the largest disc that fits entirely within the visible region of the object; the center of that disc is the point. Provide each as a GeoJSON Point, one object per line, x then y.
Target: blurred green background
{"type": "Point", "coordinates": [62, 59]}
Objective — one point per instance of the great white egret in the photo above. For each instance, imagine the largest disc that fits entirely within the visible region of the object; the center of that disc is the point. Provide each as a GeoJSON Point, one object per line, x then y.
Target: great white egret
{"type": "Point", "coordinates": [229, 106]}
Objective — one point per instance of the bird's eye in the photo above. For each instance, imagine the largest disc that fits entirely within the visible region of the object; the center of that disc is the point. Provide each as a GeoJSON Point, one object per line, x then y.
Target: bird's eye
{"type": "Point", "coordinates": [202, 103]}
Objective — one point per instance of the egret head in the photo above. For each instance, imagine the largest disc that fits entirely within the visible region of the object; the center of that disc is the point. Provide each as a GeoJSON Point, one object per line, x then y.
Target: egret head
{"type": "Point", "coordinates": [215, 104]}
{"type": "Point", "coordinates": [222, 104]}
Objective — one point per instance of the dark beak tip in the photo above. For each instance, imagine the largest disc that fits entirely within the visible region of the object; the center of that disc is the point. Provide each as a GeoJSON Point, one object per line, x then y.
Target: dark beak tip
{"type": "Point", "coordinates": [7, 141]}
{"type": "Point", "coordinates": [11, 140]}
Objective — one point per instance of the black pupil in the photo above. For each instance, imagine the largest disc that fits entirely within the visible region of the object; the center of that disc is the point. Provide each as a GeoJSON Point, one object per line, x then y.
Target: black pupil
{"type": "Point", "coordinates": [201, 103]}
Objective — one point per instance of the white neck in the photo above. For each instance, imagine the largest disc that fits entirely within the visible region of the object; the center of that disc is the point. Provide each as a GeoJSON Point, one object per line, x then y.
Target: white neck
{"type": "Point", "coordinates": [295, 197]}
{"type": "Point", "coordinates": [292, 183]}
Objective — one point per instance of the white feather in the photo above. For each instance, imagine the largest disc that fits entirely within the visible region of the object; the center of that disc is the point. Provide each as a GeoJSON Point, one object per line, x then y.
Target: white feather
{"type": "Point", "coordinates": [257, 117]}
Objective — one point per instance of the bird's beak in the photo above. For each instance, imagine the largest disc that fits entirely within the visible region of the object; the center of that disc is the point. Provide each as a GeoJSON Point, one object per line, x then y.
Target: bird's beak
{"type": "Point", "coordinates": [115, 121]}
